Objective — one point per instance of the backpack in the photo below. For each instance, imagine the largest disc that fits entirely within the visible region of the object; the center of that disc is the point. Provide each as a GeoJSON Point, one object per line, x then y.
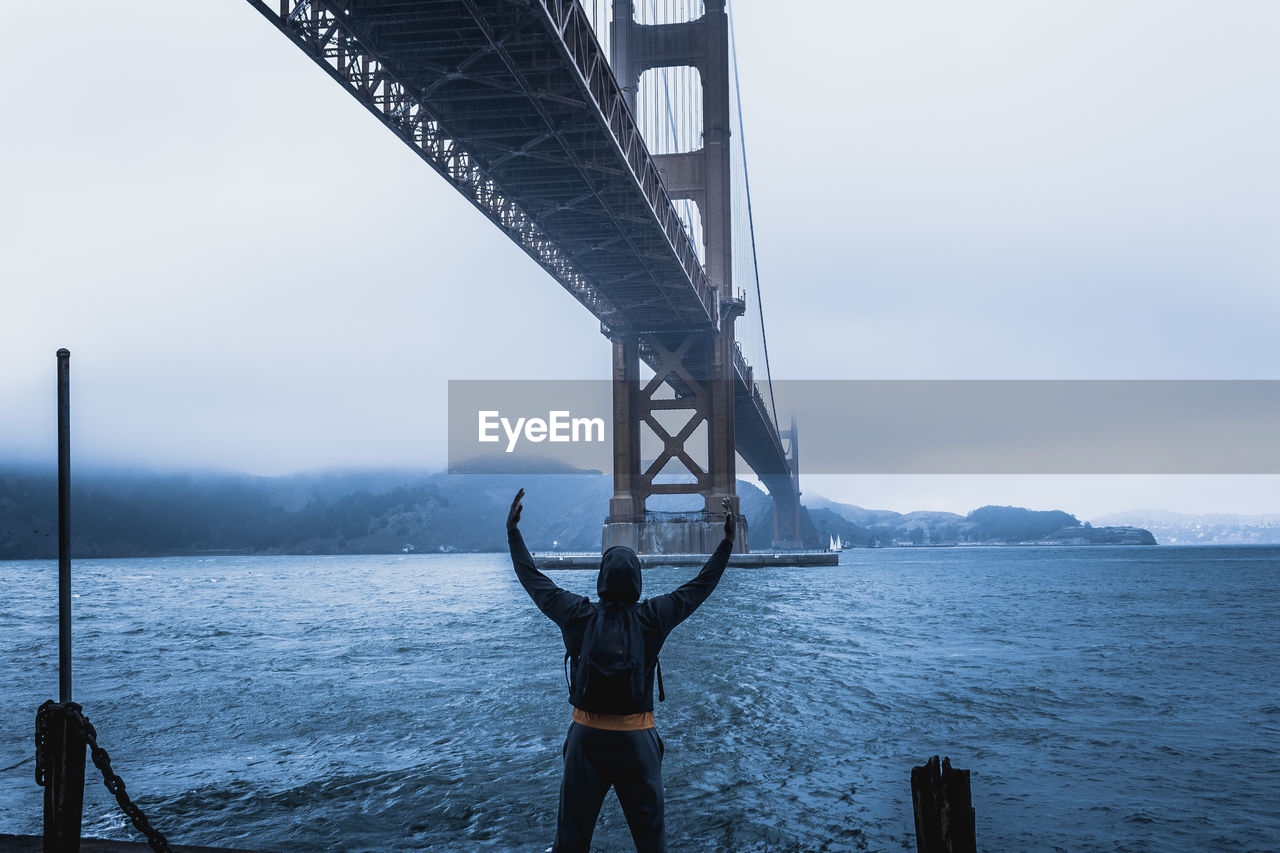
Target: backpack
{"type": "Point", "coordinates": [608, 674]}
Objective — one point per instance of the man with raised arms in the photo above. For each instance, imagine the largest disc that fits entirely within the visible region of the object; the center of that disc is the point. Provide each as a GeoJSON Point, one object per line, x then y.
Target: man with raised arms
{"type": "Point", "coordinates": [612, 649]}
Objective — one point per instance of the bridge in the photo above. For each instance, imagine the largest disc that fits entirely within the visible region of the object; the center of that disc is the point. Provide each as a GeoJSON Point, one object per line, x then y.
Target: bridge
{"type": "Point", "coordinates": [604, 141]}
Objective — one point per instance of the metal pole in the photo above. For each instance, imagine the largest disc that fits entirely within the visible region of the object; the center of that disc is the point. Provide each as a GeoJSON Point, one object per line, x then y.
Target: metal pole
{"type": "Point", "coordinates": [64, 738]}
{"type": "Point", "coordinates": [64, 527]}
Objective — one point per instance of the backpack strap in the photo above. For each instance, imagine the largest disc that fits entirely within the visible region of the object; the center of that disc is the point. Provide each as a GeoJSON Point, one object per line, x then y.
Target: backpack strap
{"type": "Point", "coordinates": [582, 654]}
{"type": "Point", "coordinates": [657, 662]}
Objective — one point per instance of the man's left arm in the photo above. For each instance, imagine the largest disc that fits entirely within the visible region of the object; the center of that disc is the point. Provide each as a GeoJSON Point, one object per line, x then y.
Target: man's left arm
{"type": "Point", "coordinates": [558, 604]}
{"type": "Point", "coordinates": [673, 608]}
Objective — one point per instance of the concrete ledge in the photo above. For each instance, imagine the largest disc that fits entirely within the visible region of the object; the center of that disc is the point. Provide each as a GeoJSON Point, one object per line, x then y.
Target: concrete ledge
{"type": "Point", "coordinates": [33, 844]}
{"type": "Point", "coordinates": [756, 560]}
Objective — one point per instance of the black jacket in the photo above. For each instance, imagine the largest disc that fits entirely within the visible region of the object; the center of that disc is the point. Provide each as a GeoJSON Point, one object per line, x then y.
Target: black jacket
{"type": "Point", "coordinates": [619, 581]}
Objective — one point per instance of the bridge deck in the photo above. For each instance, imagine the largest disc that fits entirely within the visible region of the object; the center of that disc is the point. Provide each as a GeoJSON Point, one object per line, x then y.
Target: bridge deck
{"type": "Point", "coordinates": [514, 104]}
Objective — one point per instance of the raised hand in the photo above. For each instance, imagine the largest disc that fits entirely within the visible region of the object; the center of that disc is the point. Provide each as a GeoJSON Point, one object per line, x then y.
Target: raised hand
{"type": "Point", "coordinates": [730, 520]}
{"type": "Point", "coordinates": [513, 517]}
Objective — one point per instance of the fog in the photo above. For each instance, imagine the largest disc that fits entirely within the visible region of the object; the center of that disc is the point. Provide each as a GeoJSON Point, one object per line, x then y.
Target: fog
{"type": "Point", "coordinates": [253, 275]}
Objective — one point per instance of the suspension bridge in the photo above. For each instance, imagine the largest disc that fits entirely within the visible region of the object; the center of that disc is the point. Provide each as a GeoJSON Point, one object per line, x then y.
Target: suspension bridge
{"type": "Point", "coordinates": [605, 139]}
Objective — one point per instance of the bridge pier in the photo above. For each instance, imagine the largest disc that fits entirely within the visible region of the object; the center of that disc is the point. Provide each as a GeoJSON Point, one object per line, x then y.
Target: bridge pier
{"type": "Point", "coordinates": [787, 532]}
{"type": "Point", "coordinates": [692, 378]}
{"type": "Point", "coordinates": [696, 368]}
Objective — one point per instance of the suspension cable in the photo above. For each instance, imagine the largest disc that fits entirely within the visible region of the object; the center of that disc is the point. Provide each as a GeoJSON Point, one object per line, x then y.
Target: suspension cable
{"type": "Point", "coordinates": [751, 225]}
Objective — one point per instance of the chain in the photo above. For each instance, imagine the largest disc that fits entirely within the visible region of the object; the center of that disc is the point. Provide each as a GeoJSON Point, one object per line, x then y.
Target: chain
{"type": "Point", "coordinates": [102, 761]}
{"type": "Point", "coordinates": [115, 785]}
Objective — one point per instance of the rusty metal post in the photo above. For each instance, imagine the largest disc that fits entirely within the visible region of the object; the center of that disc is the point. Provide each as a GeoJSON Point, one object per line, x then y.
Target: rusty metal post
{"type": "Point", "coordinates": [64, 743]}
{"type": "Point", "coordinates": [64, 526]}
{"type": "Point", "coordinates": [64, 747]}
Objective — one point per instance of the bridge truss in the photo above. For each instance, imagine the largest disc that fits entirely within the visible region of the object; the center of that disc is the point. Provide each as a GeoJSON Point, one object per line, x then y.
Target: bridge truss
{"type": "Point", "coordinates": [516, 105]}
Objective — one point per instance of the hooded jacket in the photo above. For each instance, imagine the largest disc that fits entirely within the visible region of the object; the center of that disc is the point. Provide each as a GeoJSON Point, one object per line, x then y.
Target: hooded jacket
{"type": "Point", "coordinates": [619, 582]}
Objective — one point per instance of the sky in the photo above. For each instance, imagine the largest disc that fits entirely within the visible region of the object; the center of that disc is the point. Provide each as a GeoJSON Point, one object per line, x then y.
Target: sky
{"type": "Point", "coordinates": [253, 275]}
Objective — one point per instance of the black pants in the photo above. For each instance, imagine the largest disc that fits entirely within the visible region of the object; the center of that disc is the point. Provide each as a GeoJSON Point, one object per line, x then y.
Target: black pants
{"type": "Point", "coordinates": [596, 760]}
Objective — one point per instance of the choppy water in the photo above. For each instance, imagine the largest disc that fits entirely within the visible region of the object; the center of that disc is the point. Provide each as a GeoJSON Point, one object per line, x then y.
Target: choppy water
{"type": "Point", "coordinates": [1103, 698]}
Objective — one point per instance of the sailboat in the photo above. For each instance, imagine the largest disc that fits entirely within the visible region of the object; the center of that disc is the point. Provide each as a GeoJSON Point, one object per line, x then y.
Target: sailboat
{"type": "Point", "coordinates": [836, 544]}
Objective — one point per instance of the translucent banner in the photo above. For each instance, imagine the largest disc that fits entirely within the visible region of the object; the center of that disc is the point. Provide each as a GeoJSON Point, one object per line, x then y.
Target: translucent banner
{"type": "Point", "coordinates": [898, 426]}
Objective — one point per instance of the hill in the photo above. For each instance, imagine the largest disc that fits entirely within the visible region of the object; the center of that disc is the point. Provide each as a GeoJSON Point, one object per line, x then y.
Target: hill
{"type": "Point", "coordinates": [1175, 528]}
{"type": "Point", "coordinates": [360, 512]}
{"type": "Point", "coordinates": [988, 525]}
{"type": "Point", "coordinates": [380, 512]}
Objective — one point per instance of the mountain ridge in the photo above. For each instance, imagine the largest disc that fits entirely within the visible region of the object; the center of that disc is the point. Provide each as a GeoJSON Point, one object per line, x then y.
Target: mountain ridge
{"type": "Point", "coordinates": [388, 511]}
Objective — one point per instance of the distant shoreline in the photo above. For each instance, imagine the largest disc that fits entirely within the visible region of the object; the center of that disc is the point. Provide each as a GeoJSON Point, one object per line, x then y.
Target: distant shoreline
{"type": "Point", "coordinates": [120, 515]}
{"type": "Point", "coordinates": [990, 545]}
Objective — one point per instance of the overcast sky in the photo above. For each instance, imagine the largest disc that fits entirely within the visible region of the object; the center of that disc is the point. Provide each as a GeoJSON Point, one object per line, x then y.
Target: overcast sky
{"type": "Point", "coordinates": [253, 274]}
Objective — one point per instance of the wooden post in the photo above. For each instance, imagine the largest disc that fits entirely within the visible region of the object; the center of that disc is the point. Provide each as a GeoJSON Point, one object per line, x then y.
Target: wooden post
{"type": "Point", "coordinates": [943, 808]}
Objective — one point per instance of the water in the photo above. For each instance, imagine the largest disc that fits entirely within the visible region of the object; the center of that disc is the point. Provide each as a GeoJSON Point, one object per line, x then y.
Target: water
{"type": "Point", "coordinates": [1103, 698]}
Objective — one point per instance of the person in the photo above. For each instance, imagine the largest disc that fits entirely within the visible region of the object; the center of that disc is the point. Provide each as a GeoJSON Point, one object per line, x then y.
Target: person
{"type": "Point", "coordinates": [612, 742]}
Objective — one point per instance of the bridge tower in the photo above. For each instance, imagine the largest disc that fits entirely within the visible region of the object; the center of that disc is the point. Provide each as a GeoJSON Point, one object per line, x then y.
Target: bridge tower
{"type": "Point", "coordinates": [785, 489]}
{"type": "Point", "coordinates": [697, 366]}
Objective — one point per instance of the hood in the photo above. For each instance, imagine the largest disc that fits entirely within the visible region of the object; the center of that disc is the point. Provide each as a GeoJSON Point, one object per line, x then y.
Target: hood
{"type": "Point", "coordinates": [619, 575]}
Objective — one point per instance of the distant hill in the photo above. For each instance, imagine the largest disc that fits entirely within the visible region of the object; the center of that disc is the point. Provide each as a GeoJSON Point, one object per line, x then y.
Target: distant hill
{"type": "Point", "coordinates": [1003, 525]}
{"type": "Point", "coordinates": [344, 512]}
{"type": "Point", "coordinates": [330, 513]}
{"type": "Point", "coordinates": [379, 512]}
{"type": "Point", "coordinates": [1175, 528]}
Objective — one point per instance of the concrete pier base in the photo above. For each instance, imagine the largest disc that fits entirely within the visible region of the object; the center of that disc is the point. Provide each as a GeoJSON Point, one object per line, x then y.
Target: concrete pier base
{"type": "Point", "coordinates": [754, 560]}
{"type": "Point", "coordinates": [34, 844]}
{"type": "Point", "coordinates": [677, 535]}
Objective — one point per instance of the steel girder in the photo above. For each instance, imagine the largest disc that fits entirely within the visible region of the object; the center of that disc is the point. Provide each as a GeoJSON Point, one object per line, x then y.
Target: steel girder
{"type": "Point", "coordinates": [513, 103]}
